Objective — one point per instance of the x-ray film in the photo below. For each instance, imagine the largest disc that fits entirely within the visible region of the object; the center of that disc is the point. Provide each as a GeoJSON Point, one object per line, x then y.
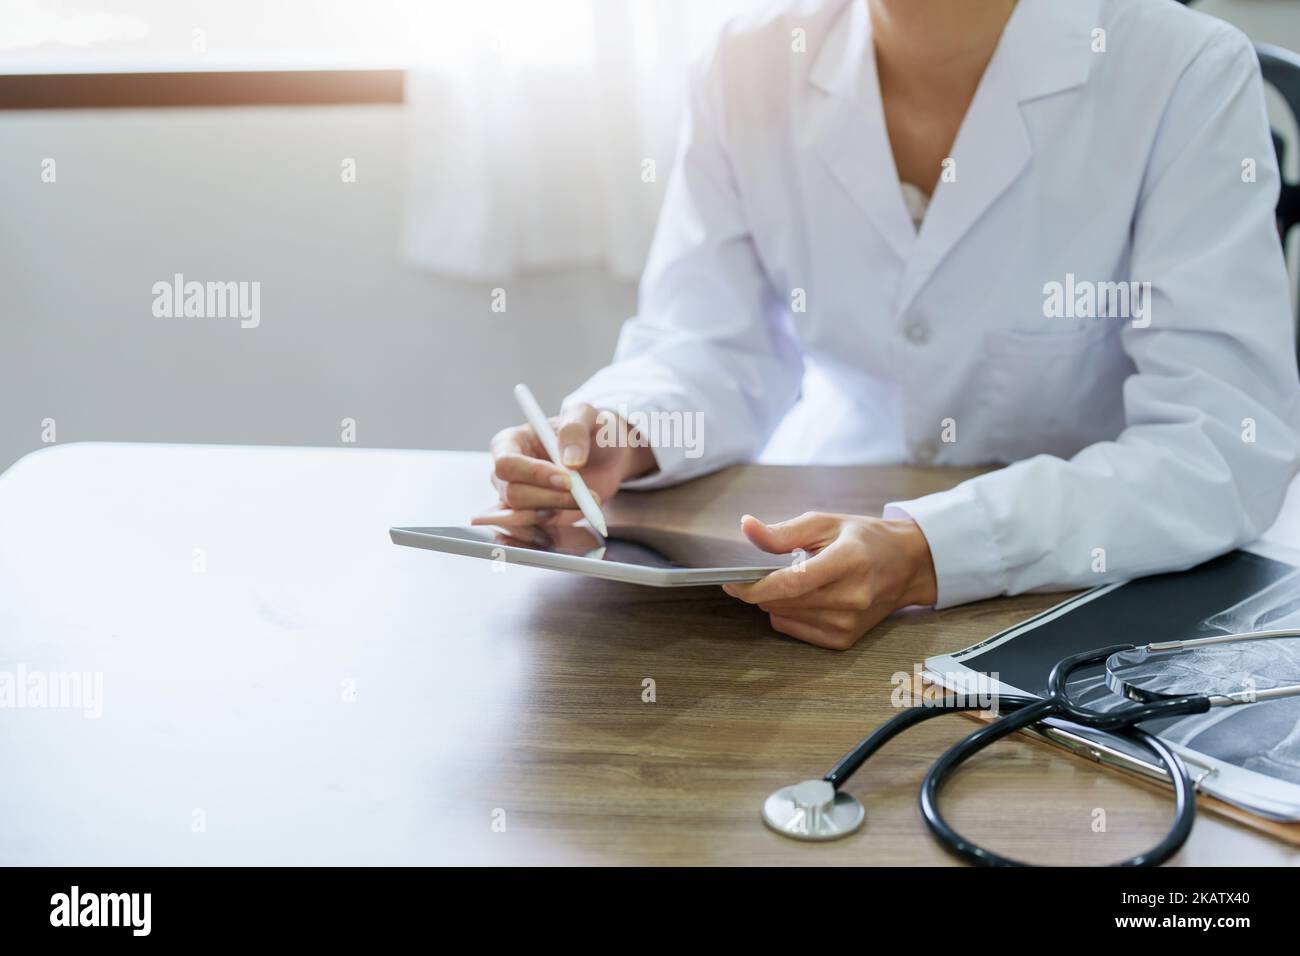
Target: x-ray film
{"type": "Point", "coordinates": [1246, 755]}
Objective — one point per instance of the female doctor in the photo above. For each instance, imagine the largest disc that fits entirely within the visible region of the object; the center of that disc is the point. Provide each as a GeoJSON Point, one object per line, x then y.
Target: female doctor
{"type": "Point", "coordinates": [961, 232]}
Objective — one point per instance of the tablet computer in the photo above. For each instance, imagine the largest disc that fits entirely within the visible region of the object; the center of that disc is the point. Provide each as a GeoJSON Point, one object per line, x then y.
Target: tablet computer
{"type": "Point", "coordinates": [665, 559]}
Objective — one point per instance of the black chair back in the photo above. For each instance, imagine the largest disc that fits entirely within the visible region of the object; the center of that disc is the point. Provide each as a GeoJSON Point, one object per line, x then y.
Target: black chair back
{"type": "Point", "coordinates": [1281, 69]}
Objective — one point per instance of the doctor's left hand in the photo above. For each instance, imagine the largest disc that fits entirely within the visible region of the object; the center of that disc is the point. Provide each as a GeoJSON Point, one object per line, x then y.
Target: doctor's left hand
{"type": "Point", "coordinates": [860, 571]}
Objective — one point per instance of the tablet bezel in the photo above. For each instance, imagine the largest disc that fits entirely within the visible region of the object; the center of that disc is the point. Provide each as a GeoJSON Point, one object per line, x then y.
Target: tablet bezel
{"type": "Point", "coordinates": [592, 567]}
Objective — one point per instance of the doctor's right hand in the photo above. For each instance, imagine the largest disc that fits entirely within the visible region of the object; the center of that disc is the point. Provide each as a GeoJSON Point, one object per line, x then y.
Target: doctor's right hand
{"type": "Point", "coordinates": [533, 490]}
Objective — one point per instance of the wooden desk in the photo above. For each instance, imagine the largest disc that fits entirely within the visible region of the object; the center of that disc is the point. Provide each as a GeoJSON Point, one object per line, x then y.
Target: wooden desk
{"type": "Point", "coordinates": [299, 690]}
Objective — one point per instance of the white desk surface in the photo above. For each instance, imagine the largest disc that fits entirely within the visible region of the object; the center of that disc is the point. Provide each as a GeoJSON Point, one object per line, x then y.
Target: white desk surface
{"type": "Point", "coordinates": [224, 691]}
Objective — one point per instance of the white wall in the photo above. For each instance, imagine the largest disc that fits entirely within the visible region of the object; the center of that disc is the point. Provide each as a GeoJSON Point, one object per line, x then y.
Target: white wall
{"type": "Point", "coordinates": [347, 330]}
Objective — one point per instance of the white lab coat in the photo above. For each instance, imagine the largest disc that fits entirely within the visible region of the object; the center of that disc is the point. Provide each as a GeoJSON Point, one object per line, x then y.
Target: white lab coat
{"type": "Point", "coordinates": [1135, 449]}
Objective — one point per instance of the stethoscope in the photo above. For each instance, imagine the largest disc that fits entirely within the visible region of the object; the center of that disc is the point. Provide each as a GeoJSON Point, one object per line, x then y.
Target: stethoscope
{"type": "Point", "coordinates": [821, 810]}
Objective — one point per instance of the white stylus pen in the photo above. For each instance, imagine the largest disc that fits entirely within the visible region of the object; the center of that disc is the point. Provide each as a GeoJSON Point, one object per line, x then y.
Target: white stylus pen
{"type": "Point", "coordinates": [546, 435]}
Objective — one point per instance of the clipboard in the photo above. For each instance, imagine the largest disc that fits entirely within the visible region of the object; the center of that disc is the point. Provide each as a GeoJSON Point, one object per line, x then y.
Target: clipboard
{"type": "Point", "coordinates": [1222, 757]}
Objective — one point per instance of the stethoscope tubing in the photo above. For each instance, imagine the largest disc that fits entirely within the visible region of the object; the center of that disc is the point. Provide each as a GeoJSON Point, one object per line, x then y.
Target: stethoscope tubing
{"type": "Point", "coordinates": [1020, 712]}
{"type": "Point", "coordinates": [1028, 711]}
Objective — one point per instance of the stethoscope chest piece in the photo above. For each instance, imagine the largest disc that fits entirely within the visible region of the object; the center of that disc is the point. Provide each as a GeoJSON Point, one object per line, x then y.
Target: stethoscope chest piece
{"type": "Point", "coordinates": [813, 810]}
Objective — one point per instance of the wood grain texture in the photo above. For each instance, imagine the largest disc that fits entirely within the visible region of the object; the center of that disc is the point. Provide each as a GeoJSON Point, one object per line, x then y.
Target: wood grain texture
{"type": "Point", "coordinates": [323, 696]}
{"type": "Point", "coordinates": [79, 91]}
{"type": "Point", "coordinates": [741, 710]}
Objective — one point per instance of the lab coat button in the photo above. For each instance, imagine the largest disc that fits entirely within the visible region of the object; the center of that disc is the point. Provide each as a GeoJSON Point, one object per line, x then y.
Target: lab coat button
{"type": "Point", "coordinates": [917, 331]}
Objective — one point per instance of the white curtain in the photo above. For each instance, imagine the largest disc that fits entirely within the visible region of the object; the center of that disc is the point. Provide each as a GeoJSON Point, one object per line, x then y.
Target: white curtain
{"type": "Point", "coordinates": [541, 132]}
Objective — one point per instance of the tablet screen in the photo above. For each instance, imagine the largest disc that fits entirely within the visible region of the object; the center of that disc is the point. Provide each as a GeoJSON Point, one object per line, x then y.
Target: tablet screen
{"type": "Point", "coordinates": [642, 547]}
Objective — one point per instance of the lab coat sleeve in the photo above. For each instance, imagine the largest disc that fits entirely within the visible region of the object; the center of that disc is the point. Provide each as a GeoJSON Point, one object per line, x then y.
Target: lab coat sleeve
{"type": "Point", "coordinates": [1210, 440]}
{"type": "Point", "coordinates": [711, 342]}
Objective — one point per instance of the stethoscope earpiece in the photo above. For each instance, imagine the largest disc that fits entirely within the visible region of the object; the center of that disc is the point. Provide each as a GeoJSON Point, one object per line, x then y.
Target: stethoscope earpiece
{"type": "Point", "coordinates": [813, 810]}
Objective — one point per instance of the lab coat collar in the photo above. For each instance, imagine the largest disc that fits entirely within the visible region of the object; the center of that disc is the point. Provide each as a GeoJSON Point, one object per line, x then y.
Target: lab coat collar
{"type": "Point", "coordinates": [1045, 49]}
{"type": "Point", "coordinates": [1047, 44]}
{"type": "Point", "coordinates": [847, 127]}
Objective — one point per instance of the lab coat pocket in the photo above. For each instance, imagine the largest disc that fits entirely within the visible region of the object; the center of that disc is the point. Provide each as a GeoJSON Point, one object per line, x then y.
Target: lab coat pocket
{"type": "Point", "coordinates": [1053, 392]}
